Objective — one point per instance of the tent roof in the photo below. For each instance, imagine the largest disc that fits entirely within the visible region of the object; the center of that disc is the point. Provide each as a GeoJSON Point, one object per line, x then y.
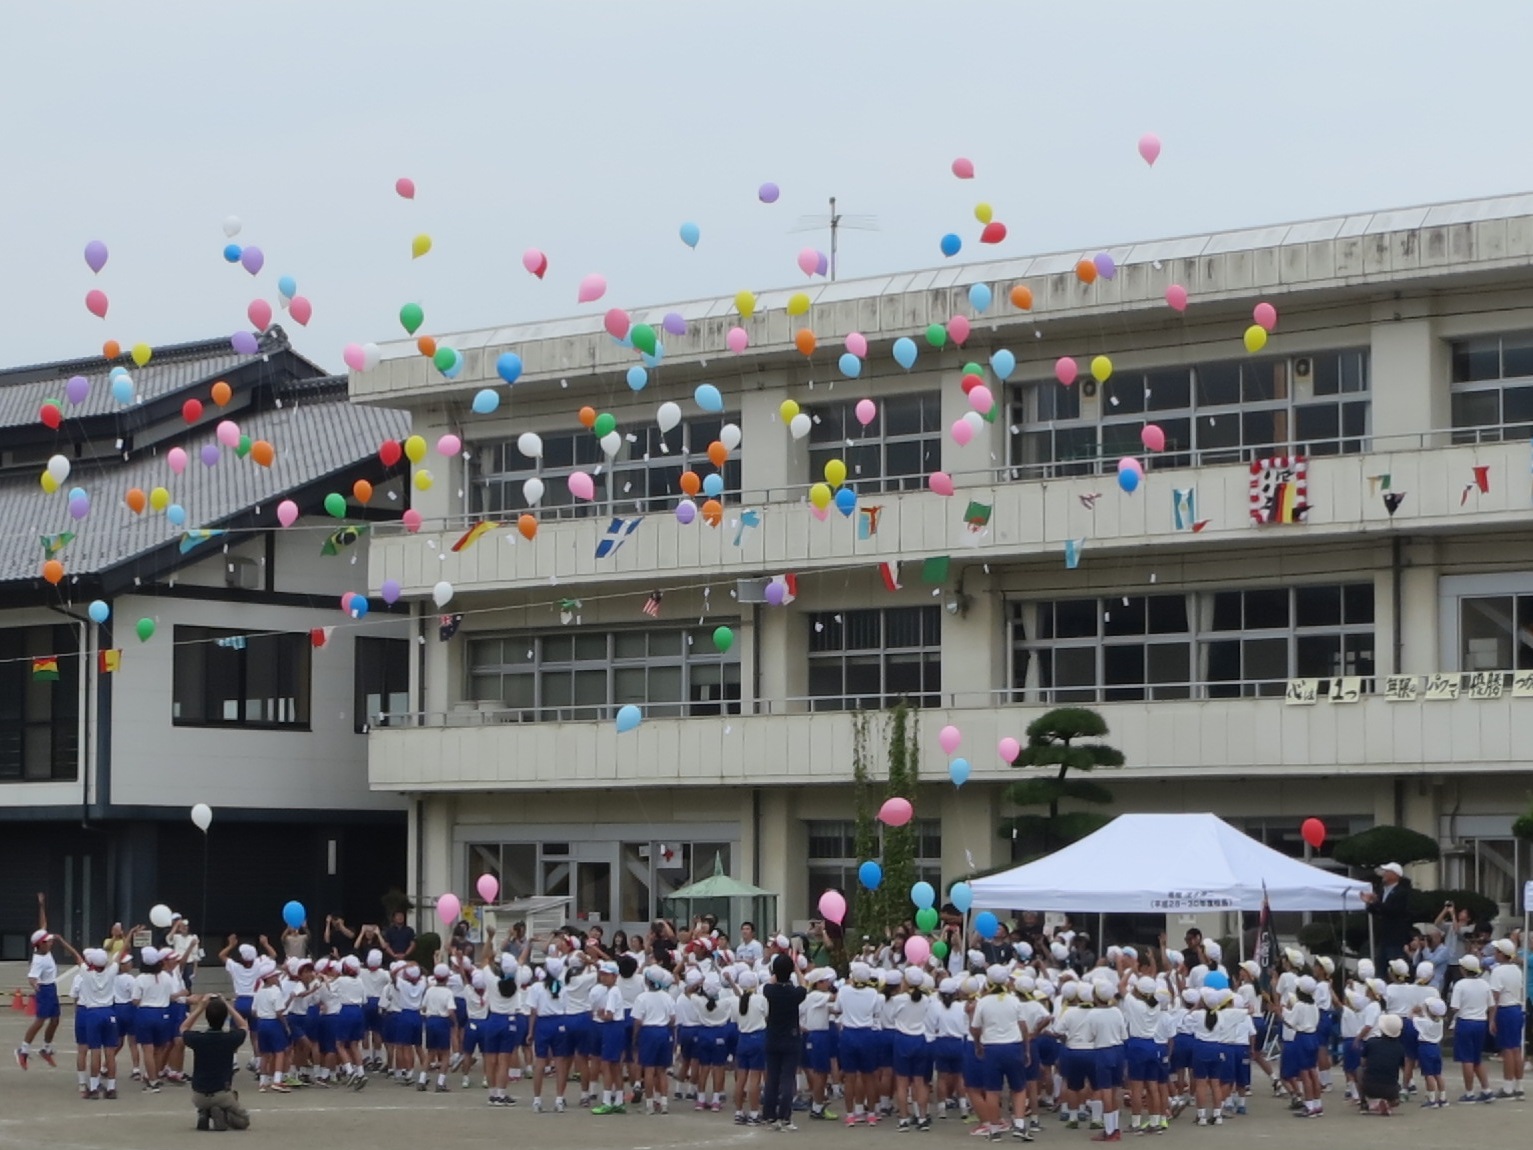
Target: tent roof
{"type": "Point", "coordinates": [718, 885]}
{"type": "Point", "coordinates": [1166, 864]}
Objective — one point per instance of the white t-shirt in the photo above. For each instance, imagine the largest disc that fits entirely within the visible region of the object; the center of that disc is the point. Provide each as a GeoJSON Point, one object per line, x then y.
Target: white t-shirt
{"type": "Point", "coordinates": [814, 1011]}
{"type": "Point", "coordinates": [725, 1008]}
{"type": "Point", "coordinates": [1108, 1028]}
{"type": "Point", "coordinates": [609, 1000]}
{"type": "Point", "coordinates": [44, 969]}
{"type": "Point", "coordinates": [1139, 1015]}
{"type": "Point", "coordinates": [96, 987]}
{"type": "Point", "coordinates": [908, 1016]}
{"type": "Point", "coordinates": [349, 990]}
{"type": "Point", "coordinates": [1472, 999]}
{"type": "Point", "coordinates": [545, 1005]}
{"type": "Point", "coordinates": [243, 979]}
{"type": "Point", "coordinates": [654, 1008]}
{"type": "Point", "coordinates": [1506, 982]}
{"type": "Point", "coordinates": [1035, 1015]}
{"type": "Point", "coordinates": [754, 1020]}
{"type": "Point", "coordinates": [152, 991]}
{"type": "Point", "coordinates": [373, 981]}
{"type": "Point", "coordinates": [859, 1006]}
{"type": "Point", "coordinates": [476, 1004]}
{"type": "Point", "coordinates": [998, 1018]}
{"type": "Point", "coordinates": [1073, 1025]}
{"type": "Point", "coordinates": [1233, 1026]}
{"type": "Point", "coordinates": [750, 952]}
{"type": "Point", "coordinates": [951, 1021]}
{"type": "Point", "coordinates": [269, 1002]}
{"type": "Point", "coordinates": [411, 995]}
{"type": "Point", "coordinates": [439, 1002]}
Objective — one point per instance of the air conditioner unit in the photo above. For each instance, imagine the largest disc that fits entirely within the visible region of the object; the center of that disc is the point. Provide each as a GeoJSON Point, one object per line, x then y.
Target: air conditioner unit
{"type": "Point", "coordinates": [242, 572]}
{"type": "Point", "coordinates": [751, 590]}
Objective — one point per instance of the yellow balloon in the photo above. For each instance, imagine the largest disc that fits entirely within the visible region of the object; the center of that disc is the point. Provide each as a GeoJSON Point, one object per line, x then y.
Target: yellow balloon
{"type": "Point", "coordinates": [983, 213]}
{"type": "Point", "coordinates": [1101, 369]}
{"type": "Point", "coordinates": [1256, 338]}
{"type": "Point", "coordinates": [50, 484]}
{"type": "Point", "coordinates": [419, 246]}
{"type": "Point", "coordinates": [745, 304]}
{"type": "Point", "coordinates": [142, 353]}
{"type": "Point", "coordinates": [835, 472]}
{"type": "Point", "coordinates": [820, 495]}
{"type": "Point", "coordinates": [787, 410]}
{"type": "Point", "coordinates": [798, 303]}
{"type": "Point", "coordinates": [423, 480]}
{"type": "Point", "coordinates": [159, 499]}
{"type": "Point", "coordinates": [415, 449]}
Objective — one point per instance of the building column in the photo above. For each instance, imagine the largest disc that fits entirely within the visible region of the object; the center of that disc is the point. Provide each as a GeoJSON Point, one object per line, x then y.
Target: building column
{"type": "Point", "coordinates": [784, 848]}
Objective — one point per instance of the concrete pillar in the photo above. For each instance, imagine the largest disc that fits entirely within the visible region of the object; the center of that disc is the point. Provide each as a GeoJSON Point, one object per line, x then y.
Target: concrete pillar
{"type": "Point", "coordinates": [1418, 612]}
{"type": "Point", "coordinates": [770, 459]}
{"type": "Point", "coordinates": [784, 847]}
{"type": "Point", "coordinates": [1407, 375]}
{"type": "Point", "coordinates": [973, 641]}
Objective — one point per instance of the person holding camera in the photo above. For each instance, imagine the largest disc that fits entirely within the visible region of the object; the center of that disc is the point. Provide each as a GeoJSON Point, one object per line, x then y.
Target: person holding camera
{"type": "Point", "coordinates": [214, 1050]}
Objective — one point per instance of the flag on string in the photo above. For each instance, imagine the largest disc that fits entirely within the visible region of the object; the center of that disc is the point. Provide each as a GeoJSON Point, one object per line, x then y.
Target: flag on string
{"type": "Point", "coordinates": [45, 668]}
{"type": "Point", "coordinates": [1073, 549]}
{"type": "Point", "coordinates": [1392, 501]}
{"type": "Point", "coordinates": [890, 574]}
{"type": "Point", "coordinates": [1380, 482]}
{"type": "Point", "coordinates": [319, 636]}
{"type": "Point", "coordinates": [568, 610]}
{"type": "Point", "coordinates": [447, 626]}
{"type": "Point", "coordinates": [1089, 499]}
{"type": "Point", "coordinates": [748, 522]}
{"type": "Point", "coordinates": [789, 587]}
{"type": "Point", "coordinates": [109, 661]}
{"type": "Point", "coordinates": [1279, 489]}
{"type": "Point", "coordinates": [977, 514]}
{"type": "Point", "coordinates": [198, 536]}
{"type": "Point", "coordinates": [475, 533]}
{"type": "Point", "coordinates": [867, 521]}
{"type": "Point", "coordinates": [652, 604]}
{"type": "Point", "coordinates": [616, 535]}
{"type": "Point", "coordinates": [935, 570]}
{"type": "Point", "coordinates": [1184, 508]}
{"type": "Point", "coordinates": [233, 642]}
{"type": "Point", "coordinates": [53, 544]}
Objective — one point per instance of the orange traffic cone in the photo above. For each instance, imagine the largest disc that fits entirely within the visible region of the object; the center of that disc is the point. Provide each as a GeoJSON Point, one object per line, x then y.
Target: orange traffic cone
{"type": "Point", "coordinates": [17, 1002]}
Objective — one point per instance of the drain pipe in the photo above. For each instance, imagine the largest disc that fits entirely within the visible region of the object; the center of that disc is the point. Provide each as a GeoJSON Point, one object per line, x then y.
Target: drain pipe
{"type": "Point", "coordinates": [1397, 598]}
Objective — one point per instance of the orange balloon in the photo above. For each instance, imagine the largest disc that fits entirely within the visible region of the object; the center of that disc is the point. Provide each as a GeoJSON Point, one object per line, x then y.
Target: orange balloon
{"type": "Point", "coordinates": [713, 512]}
{"type": "Point", "coordinates": [111, 349]}
{"type": "Point", "coordinates": [1086, 272]}
{"type": "Point", "coordinates": [53, 571]}
{"type": "Point", "coordinates": [527, 525]}
{"type": "Point", "coordinates": [690, 483]}
{"type": "Point", "coordinates": [222, 393]}
{"type": "Point", "coordinates": [1022, 296]}
{"type": "Point", "coordinates": [587, 417]}
{"type": "Point", "coordinates": [717, 453]}
{"type": "Point", "coordinates": [263, 452]}
{"type": "Point", "coordinates": [427, 346]}
{"type": "Point", "coordinates": [363, 490]}
{"type": "Point", "coordinates": [804, 341]}
{"type": "Point", "coordinates": [136, 500]}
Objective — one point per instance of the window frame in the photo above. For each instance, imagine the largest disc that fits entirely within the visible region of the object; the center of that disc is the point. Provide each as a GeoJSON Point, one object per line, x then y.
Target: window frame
{"type": "Point", "coordinates": [61, 763]}
{"type": "Point", "coordinates": [1453, 590]}
{"type": "Point", "coordinates": [372, 652]}
{"type": "Point", "coordinates": [928, 653]}
{"type": "Point", "coordinates": [929, 438]}
{"type": "Point", "coordinates": [1499, 385]}
{"type": "Point", "coordinates": [928, 867]}
{"type": "Point", "coordinates": [187, 636]}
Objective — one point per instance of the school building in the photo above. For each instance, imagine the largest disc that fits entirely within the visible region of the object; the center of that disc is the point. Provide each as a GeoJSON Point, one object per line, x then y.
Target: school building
{"type": "Point", "coordinates": [1318, 602]}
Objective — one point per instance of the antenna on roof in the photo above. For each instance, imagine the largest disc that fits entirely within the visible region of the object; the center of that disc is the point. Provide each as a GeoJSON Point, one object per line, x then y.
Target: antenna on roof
{"type": "Point", "coordinates": [836, 221]}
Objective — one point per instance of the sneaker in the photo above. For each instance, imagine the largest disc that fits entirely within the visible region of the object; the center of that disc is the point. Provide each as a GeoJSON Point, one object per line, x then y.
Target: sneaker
{"type": "Point", "coordinates": [441, 1089]}
{"type": "Point", "coordinates": [603, 1108]}
{"type": "Point", "coordinates": [872, 1119]}
{"type": "Point", "coordinates": [824, 1115]}
{"type": "Point", "coordinates": [47, 1056]}
{"type": "Point", "coordinates": [276, 1088]}
{"type": "Point", "coordinates": [980, 1131]}
{"type": "Point", "coordinates": [21, 1058]}
{"type": "Point", "coordinates": [903, 1127]}
{"type": "Point", "coordinates": [109, 1095]}
{"type": "Point", "coordinates": [1072, 1124]}
{"type": "Point", "coordinates": [617, 1108]}
{"type": "Point", "coordinates": [924, 1124]}
{"type": "Point", "coordinates": [91, 1095]}
{"type": "Point", "coordinates": [420, 1087]}
{"type": "Point", "coordinates": [537, 1106]}
{"type": "Point", "coordinates": [851, 1119]}
{"type": "Point", "coordinates": [1022, 1134]}
{"type": "Point", "coordinates": [1115, 1136]}
{"type": "Point", "coordinates": [558, 1105]}
{"type": "Point", "coordinates": [204, 1122]}
{"type": "Point", "coordinates": [787, 1127]}
{"type": "Point", "coordinates": [739, 1118]}
{"type": "Point", "coordinates": [1468, 1099]}
{"type": "Point", "coordinates": [1429, 1104]}
{"type": "Point", "coordinates": [715, 1106]}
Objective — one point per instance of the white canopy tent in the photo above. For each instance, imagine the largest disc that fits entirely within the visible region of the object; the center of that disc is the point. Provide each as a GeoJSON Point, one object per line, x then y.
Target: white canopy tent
{"type": "Point", "coordinates": [1166, 864]}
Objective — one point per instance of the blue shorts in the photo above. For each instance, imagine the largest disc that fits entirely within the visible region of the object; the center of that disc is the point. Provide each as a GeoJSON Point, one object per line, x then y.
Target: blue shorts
{"type": "Point", "coordinates": [817, 1051]}
{"type": "Point", "coordinates": [520, 1027]}
{"type": "Point", "coordinates": [407, 1028]}
{"type": "Point", "coordinates": [372, 1017]}
{"type": "Point", "coordinates": [350, 1025]}
{"type": "Point", "coordinates": [654, 1046]}
{"type": "Point", "coordinates": [973, 1069]}
{"type": "Point", "coordinates": [553, 1038]}
{"type": "Point", "coordinates": [1429, 1057]}
{"type": "Point", "coordinates": [1408, 1038]}
{"type": "Point", "coordinates": [947, 1055]}
{"type": "Point", "coordinates": [273, 1035]}
{"type": "Point", "coordinates": [713, 1046]}
{"type": "Point", "coordinates": [913, 1056]}
{"type": "Point", "coordinates": [750, 1051]}
{"type": "Point", "coordinates": [178, 1013]}
{"type": "Point", "coordinates": [460, 1008]}
{"type": "Point", "coordinates": [1002, 1067]}
{"type": "Point", "coordinates": [125, 1013]}
{"type": "Point", "coordinates": [472, 1039]}
{"type": "Point", "coordinates": [329, 1025]}
{"type": "Point", "coordinates": [1046, 1050]}
{"type": "Point", "coordinates": [883, 1043]}
{"type": "Point", "coordinates": [1107, 1068]}
{"type": "Point", "coordinates": [686, 1041]}
{"type": "Point", "coordinates": [614, 1039]}
{"type": "Point", "coordinates": [1351, 1055]}
{"type": "Point", "coordinates": [1469, 1041]}
{"type": "Point", "coordinates": [1234, 1053]}
{"type": "Point", "coordinates": [298, 1027]}
{"type": "Point", "coordinates": [859, 1050]}
{"type": "Point", "coordinates": [1309, 1050]}
{"type": "Point", "coordinates": [1181, 1053]}
{"type": "Point", "coordinates": [1075, 1067]}
{"type": "Point", "coordinates": [47, 1001]}
{"type": "Point", "coordinates": [1141, 1058]}
{"type": "Point", "coordinates": [1509, 1025]}
{"type": "Point", "coordinates": [152, 1027]}
{"type": "Point", "coordinates": [101, 1029]}
{"type": "Point", "coordinates": [438, 1033]}
{"type": "Point", "coordinates": [492, 1034]}
{"type": "Point", "coordinates": [243, 1003]}
{"type": "Point", "coordinates": [1207, 1059]}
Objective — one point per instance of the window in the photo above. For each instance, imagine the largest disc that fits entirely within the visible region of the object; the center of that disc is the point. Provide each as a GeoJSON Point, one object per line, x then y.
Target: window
{"type": "Point", "coordinates": [643, 476]}
{"type": "Point", "coordinates": [1495, 632]}
{"type": "Point", "coordinates": [1213, 645]}
{"type": "Point", "coordinates": [895, 452]}
{"type": "Point", "coordinates": [1221, 412]}
{"type": "Point", "coordinates": [233, 678]}
{"type": "Point", "coordinates": [383, 682]}
{"type": "Point", "coordinates": [1492, 388]}
{"type": "Point", "coordinates": [39, 718]}
{"type": "Point", "coordinates": [833, 860]}
{"type": "Point", "coordinates": [860, 659]}
{"type": "Point", "coordinates": [588, 675]}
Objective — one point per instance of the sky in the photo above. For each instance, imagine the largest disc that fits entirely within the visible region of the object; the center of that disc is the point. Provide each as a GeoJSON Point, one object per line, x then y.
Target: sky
{"type": "Point", "coordinates": [592, 131]}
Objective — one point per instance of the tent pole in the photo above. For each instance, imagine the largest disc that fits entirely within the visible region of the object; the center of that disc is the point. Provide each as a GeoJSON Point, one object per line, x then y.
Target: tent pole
{"type": "Point", "coordinates": [1101, 932]}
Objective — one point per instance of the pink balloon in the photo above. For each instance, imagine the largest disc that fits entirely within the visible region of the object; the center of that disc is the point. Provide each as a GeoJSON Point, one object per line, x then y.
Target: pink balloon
{"type": "Point", "coordinates": [448, 908]}
{"type": "Point", "coordinates": [958, 329]}
{"type": "Point", "coordinates": [287, 513]}
{"type": "Point", "coordinates": [896, 812]}
{"type": "Point", "coordinates": [981, 399]}
{"type": "Point", "coordinates": [405, 187]}
{"type": "Point", "coordinates": [582, 486]}
{"type": "Point", "coordinates": [1149, 148]}
{"type": "Point", "coordinates": [820, 513]}
{"type": "Point", "coordinates": [355, 357]}
{"type": "Point", "coordinates": [1065, 370]}
{"type": "Point", "coordinates": [96, 303]}
{"type": "Point", "coordinates": [534, 261]}
{"type": "Point", "coordinates": [737, 340]}
{"type": "Point", "coordinates": [1153, 438]}
{"type": "Point", "coordinates": [857, 344]}
{"type": "Point", "coordinates": [616, 322]}
{"type": "Point", "coordinates": [1129, 463]}
{"type": "Point", "coordinates": [301, 309]}
{"type": "Point", "coordinates": [593, 287]}
{"type": "Point", "coordinates": [449, 445]}
{"type": "Point", "coordinates": [866, 411]}
{"type": "Point", "coordinates": [808, 261]}
{"type": "Point", "coordinates": [412, 520]}
{"type": "Point", "coordinates": [1009, 749]}
{"type": "Point", "coordinates": [259, 313]}
{"type": "Point", "coordinates": [1176, 297]}
{"type": "Point", "coordinates": [941, 482]}
{"type": "Point", "coordinates": [228, 433]}
{"type": "Point", "coordinates": [346, 601]}
{"type": "Point", "coordinates": [833, 906]}
{"type": "Point", "coordinates": [963, 169]}
{"type": "Point", "coordinates": [1265, 316]}
{"type": "Point", "coordinates": [176, 458]}
{"type": "Point", "coordinates": [962, 432]}
{"type": "Point", "coordinates": [948, 739]}
{"type": "Point", "coordinates": [917, 950]}
{"type": "Point", "coordinates": [488, 887]}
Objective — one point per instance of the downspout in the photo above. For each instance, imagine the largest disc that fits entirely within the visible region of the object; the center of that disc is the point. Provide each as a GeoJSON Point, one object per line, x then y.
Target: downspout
{"type": "Point", "coordinates": [1397, 599]}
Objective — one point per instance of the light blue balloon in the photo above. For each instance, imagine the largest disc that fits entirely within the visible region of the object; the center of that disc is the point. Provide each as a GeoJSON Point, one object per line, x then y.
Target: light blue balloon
{"type": "Point", "coordinates": [979, 296]}
{"type": "Point", "coordinates": [122, 389]}
{"type": "Point", "coordinates": [653, 360]}
{"type": "Point", "coordinates": [76, 493]}
{"type": "Point", "coordinates": [690, 234]}
{"type": "Point", "coordinates": [288, 286]}
{"type": "Point", "coordinates": [986, 924]}
{"type": "Point", "coordinates": [1217, 979]}
{"type": "Point", "coordinates": [1003, 363]}
{"type": "Point", "coordinates": [1128, 479]}
{"type": "Point", "coordinates": [958, 771]}
{"type": "Point", "coordinates": [923, 895]}
{"type": "Point", "coordinates": [850, 365]}
{"type": "Point", "coordinates": [358, 606]}
{"type": "Point", "coordinates": [176, 514]}
{"type": "Point", "coordinates": [708, 398]}
{"type": "Point", "coordinates": [116, 371]}
{"type": "Point", "coordinates": [294, 915]}
{"type": "Point", "coordinates": [846, 501]}
{"type": "Point", "coordinates": [628, 717]}
{"type": "Point", "coordinates": [98, 611]}
{"type": "Point", "coordinates": [905, 352]}
{"type": "Point", "coordinates": [457, 366]}
{"type": "Point", "coordinates": [713, 485]}
{"type": "Point", "coordinates": [232, 253]}
{"type": "Point", "coordinates": [961, 896]}
{"type": "Point", "coordinates": [870, 874]}
{"type": "Point", "coordinates": [637, 377]}
{"type": "Point", "coordinates": [486, 401]}
{"type": "Point", "coordinates": [509, 366]}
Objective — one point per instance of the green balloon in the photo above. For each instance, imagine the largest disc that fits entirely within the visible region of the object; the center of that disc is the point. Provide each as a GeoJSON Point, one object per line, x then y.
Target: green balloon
{"type": "Point", "coordinates": [444, 358]}
{"type": "Point", "coordinates": [606, 424]}
{"type": "Point", "coordinates": [936, 335]}
{"type": "Point", "coordinates": [926, 918]}
{"type": "Point", "coordinates": [336, 505]}
{"type": "Point", "coordinates": [244, 447]}
{"type": "Point", "coordinates": [723, 638]}
{"type": "Point", "coordinates": [145, 630]}
{"type": "Point", "coordinates": [973, 369]}
{"type": "Point", "coordinates": [939, 948]}
{"type": "Point", "coordinates": [411, 317]}
{"type": "Point", "coordinates": [643, 338]}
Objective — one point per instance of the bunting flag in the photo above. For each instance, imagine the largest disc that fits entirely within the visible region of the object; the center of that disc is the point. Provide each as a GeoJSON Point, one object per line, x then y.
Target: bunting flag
{"type": "Point", "coordinates": [1089, 499]}
{"type": "Point", "coordinates": [977, 514]}
{"type": "Point", "coordinates": [617, 534]}
{"type": "Point", "coordinates": [568, 609]}
{"type": "Point", "coordinates": [198, 536]}
{"type": "Point", "coordinates": [789, 587]}
{"type": "Point", "coordinates": [233, 642]}
{"type": "Point", "coordinates": [475, 533]}
{"type": "Point", "coordinates": [319, 636]}
{"type": "Point", "coordinates": [652, 604]}
{"type": "Point", "coordinates": [109, 661]}
{"type": "Point", "coordinates": [345, 537]}
{"type": "Point", "coordinates": [867, 521]}
{"type": "Point", "coordinates": [1482, 479]}
{"type": "Point", "coordinates": [1377, 483]}
{"type": "Point", "coordinates": [447, 626]}
{"type": "Point", "coordinates": [1463, 496]}
{"type": "Point", "coordinates": [53, 544]}
{"type": "Point", "coordinates": [935, 570]}
{"type": "Point", "coordinates": [1184, 508]}
{"type": "Point", "coordinates": [1073, 548]}
{"type": "Point", "coordinates": [45, 668]}
{"type": "Point", "coordinates": [890, 574]}
{"type": "Point", "coordinates": [749, 521]}
{"type": "Point", "coordinates": [1279, 489]}
{"type": "Point", "coordinates": [1392, 501]}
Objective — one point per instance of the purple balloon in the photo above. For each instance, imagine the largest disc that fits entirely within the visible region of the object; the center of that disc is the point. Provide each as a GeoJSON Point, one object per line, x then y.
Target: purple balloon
{"type": "Point", "coordinates": [1105, 266]}
{"type": "Point", "coordinates": [77, 389]}
{"type": "Point", "coordinates": [674, 324]}
{"type": "Point", "coordinates": [79, 507]}
{"type": "Point", "coordinates": [209, 454]}
{"type": "Point", "coordinates": [244, 343]}
{"type": "Point", "coordinates": [774, 593]}
{"type": "Point", "coordinates": [821, 264]}
{"type": "Point", "coordinates": [95, 255]}
{"type": "Point", "coordinates": [391, 590]}
{"type": "Point", "coordinates": [252, 259]}
{"type": "Point", "coordinates": [768, 193]}
{"type": "Point", "coordinates": [686, 511]}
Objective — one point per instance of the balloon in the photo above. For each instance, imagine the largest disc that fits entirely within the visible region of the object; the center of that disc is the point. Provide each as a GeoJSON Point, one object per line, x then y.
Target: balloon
{"type": "Point", "coordinates": [981, 399]}
{"type": "Point", "coordinates": [1101, 368]}
{"type": "Point", "coordinates": [1255, 339]}
{"type": "Point", "coordinates": [390, 590]}
{"type": "Point", "coordinates": [1149, 148]}
{"type": "Point", "coordinates": [587, 417]}
{"type": "Point", "coordinates": [358, 606]}
{"type": "Point", "coordinates": [941, 483]}
{"type": "Point", "coordinates": [963, 169]}
{"type": "Point", "coordinates": [95, 255]}
{"type": "Point", "coordinates": [917, 949]}
{"type": "Point", "coordinates": [412, 520]}
{"type": "Point", "coordinates": [335, 505]}
{"type": "Point", "coordinates": [690, 234]}
{"type": "Point", "coordinates": [404, 187]}
{"type": "Point", "coordinates": [866, 411]}
{"type": "Point", "coordinates": [994, 232]}
{"type": "Point", "coordinates": [209, 455]}
{"type": "Point", "coordinates": [896, 812]}
{"type": "Point", "coordinates": [637, 377]}
{"type": "Point", "coordinates": [1106, 267]}
{"type": "Point", "coordinates": [668, 415]}
{"type": "Point", "coordinates": [98, 611]}
{"type": "Point", "coordinates": [161, 916]}
{"type": "Point", "coordinates": [948, 739]}
{"type": "Point", "coordinates": [961, 895]}
{"type": "Point", "coordinates": [1265, 316]}
{"type": "Point", "coordinates": [707, 397]}
{"type": "Point", "coordinates": [287, 513]}
{"type": "Point", "coordinates": [745, 304]}
{"type": "Point", "coordinates": [175, 458]}
{"type": "Point", "coordinates": [252, 260]}
{"type": "Point", "coordinates": [202, 817]}
{"type": "Point", "coordinates": [1217, 980]}
{"type": "Point", "coordinates": [1153, 438]}
{"type": "Point", "coordinates": [846, 501]}
{"type": "Point", "coordinates": [674, 323]}
{"type": "Point", "coordinates": [776, 593]}
{"type": "Point", "coordinates": [1008, 749]}
{"type": "Point", "coordinates": [1065, 370]}
{"type": "Point", "coordinates": [259, 314]}
{"type": "Point", "coordinates": [857, 344]}
{"type": "Point", "coordinates": [616, 322]}
{"type": "Point", "coordinates": [232, 253]}
{"type": "Point", "coordinates": [486, 401]}
{"type": "Point", "coordinates": [922, 893]}
{"type": "Point", "coordinates": [159, 499]}
{"type": "Point", "coordinates": [926, 919]}
{"type": "Point", "coordinates": [939, 949]}
{"type": "Point", "coordinates": [628, 717]}
{"type": "Point", "coordinates": [604, 425]}
{"type": "Point", "coordinates": [415, 449]}
{"type": "Point", "coordinates": [958, 329]}
{"type": "Point", "coordinates": [244, 343]}
{"type": "Point", "coordinates": [488, 887]}
{"type": "Point", "coordinates": [77, 389]}
{"type": "Point", "coordinates": [979, 296]}
{"type": "Point", "coordinates": [51, 414]}
{"type": "Point", "coordinates": [835, 472]}
{"type": "Point", "coordinates": [1313, 832]}
{"type": "Point", "coordinates": [58, 467]}
{"type": "Point", "coordinates": [958, 771]}
{"type": "Point", "coordinates": [136, 500]}
{"type": "Point", "coordinates": [767, 193]}
{"type": "Point", "coordinates": [832, 906]}
{"type": "Point", "coordinates": [962, 432]}
{"type": "Point", "coordinates": [231, 226]}
{"type": "Point", "coordinates": [301, 309]}
{"type": "Point", "coordinates": [263, 452]}
{"type": "Point", "coordinates": [713, 513]}
{"type": "Point", "coordinates": [1086, 271]}
{"type": "Point", "coordinates": [582, 486]}
{"type": "Point", "coordinates": [353, 356]}
{"type": "Point", "coordinates": [950, 244]}
{"type": "Point", "coordinates": [1176, 297]}
{"type": "Point", "coordinates": [287, 286]}
{"type": "Point", "coordinates": [294, 915]}
{"type": "Point", "coordinates": [808, 261]}
{"type": "Point", "coordinates": [1128, 480]}
{"type": "Point", "coordinates": [986, 924]}
{"type": "Point", "coordinates": [145, 630]}
{"type": "Point", "coordinates": [441, 594]}
{"type": "Point", "coordinates": [643, 337]}
{"type": "Point", "coordinates": [228, 433]}
{"type": "Point", "coordinates": [411, 316]}
{"type": "Point", "coordinates": [905, 352]}
{"type": "Point", "coordinates": [527, 525]}
{"type": "Point", "coordinates": [820, 495]}
{"type": "Point", "coordinates": [419, 246]}
{"type": "Point", "coordinates": [737, 340]}
{"type": "Point", "coordinates": [799, 425]}
{"type": "Point", "coordinates": [717, 453]}
{"type": "Point", "coordinates": [535, 262]}
{"type": "Point", "coordinates": [448, 908]}
{"type": "Point", "coordinates": [96, 303]}
{"type": "Point", "coordinates": [686, 512]}
{"type": "Point", "coordinates": [723, 639]}
{"type": "Point", "coordinates": [612, 443]}
{"type": "Point", "coordinates": [50, 484]}
{"type": "Point", "coordinates": [592, 287]}
{"type": "Point", "coordinates": [175, 513]}
{"type": "Point", "coordinates": [530, 444]}
{"type": "Point", "coordinates": [448, 445]}
{"type": "Point", "coordinates": [798, 303]}
{"type": "Point", "coordinates": [729, 437]}
{"type": "Point", "coordinates": [191, 411]}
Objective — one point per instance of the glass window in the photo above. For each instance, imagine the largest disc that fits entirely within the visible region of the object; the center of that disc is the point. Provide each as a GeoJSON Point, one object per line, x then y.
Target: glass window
{"type": "Point", "coordinates": [1492, 387]}
{"type": "Point", "coordinates": [833, 860]}
{"type": "Point", "coordinates": [1495, 633]}
{"type": "Point", "coordinates": [895, 452]}
{"type": "Point", "coordinates": [875, 658]}
{"type": "Point", "coordinates": [234, 678]}
{"type": "Point", "coordinates": [382, 673]}
{"type": "Point", "coordinates": [39, 704]}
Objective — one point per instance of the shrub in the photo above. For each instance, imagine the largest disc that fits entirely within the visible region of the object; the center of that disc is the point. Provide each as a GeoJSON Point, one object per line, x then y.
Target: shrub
{"type": "Point", "coordinates": [424, 952]}
{"type": "Point", "coordinates": [1372, 848]}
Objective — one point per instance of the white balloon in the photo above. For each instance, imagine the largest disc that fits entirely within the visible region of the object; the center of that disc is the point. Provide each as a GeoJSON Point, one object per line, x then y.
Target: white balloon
{"type": "Point", "coordinates": [975, 420]}
{"type": "Point", "coordinates": [202, 815]}
{"type": "Point", "coordinates": [58, 467]}
{"type": "Point", "coordinates": [799, 426]}
{"type": "Point", "coordinates": [231, 229]}
{"type": "Point", "coordinates": [532, 491]}
{"type": "Point", "coordinates": [160, 915]}
{"type": "Point", "coordinates": [372, 355]}
{"type": "Point", "coordinates": [668, 416]}
{"type": "Point", "coordinates": [611, 443]}
{"type": "Point", "coordinates": [530, 444]}
{"type": "Point", "coordinates": [729, 435]}
{"type": "Point", "coordinates": [441, 594]}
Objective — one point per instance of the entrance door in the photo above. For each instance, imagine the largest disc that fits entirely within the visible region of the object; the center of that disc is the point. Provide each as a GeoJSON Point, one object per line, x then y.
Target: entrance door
{"type": "Point", "coordinates": [587, 877]}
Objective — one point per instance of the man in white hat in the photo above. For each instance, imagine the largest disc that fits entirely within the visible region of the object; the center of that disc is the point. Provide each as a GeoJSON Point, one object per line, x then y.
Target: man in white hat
{"type": "Point", "coordinates": [1507, 984]}
{"type": "Point", "coordinates": [1390, 906]}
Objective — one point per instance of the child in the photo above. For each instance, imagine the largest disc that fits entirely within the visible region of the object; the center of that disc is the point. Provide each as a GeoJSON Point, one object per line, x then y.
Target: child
{"type": "Point", "coordinates": [947, 1025]}
{"type": "Point", "coordinates": [857, 1002]}
{"type": "Point", "coordinates": [654, 1021]}
{"type": "Point", "coordinates": [1473, 1000]}
{"type": "Point", "coordinates": [1506, 983]}
{"type": "Point", "coordinates": [750, 1048]}
{"type": "Point", "coordinates": [550, 1033]}
{"type": "Point", "coordinates": [1383, 1059]}
{"type": "Point", "coordinates": [1109, 1033]}
{"type": "Point", "coordinates": [814, 1018]}
{"type": "Point", "coordinates": [912, 1052]}
{"type": "Point", "coordinates": [1429, 1054]}
{"type": "Point", "coordinates": [999, 1046]}
{"type": "Point", "coordinates": [270, 1006]}
{"type": "Point", "coordinates": [438, 1009]}
{"type": "Point", "coordinates": [609, 1014]}
{"type": "Point", "coordinates": [43, 974]}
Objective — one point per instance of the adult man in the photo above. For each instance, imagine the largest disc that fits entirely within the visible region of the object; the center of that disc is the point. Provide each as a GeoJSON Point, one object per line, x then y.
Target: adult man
{"type": "Point", "coordinates": [750, 949]}
{"type": "Point", "coordinates": [214, 1049]}
{"type": "Point", "coordinates": [1192, 955]}
{"type": "Point", "coordinates": [1391, 907]}
{"type": "Point", "coordinates": [398, 938]}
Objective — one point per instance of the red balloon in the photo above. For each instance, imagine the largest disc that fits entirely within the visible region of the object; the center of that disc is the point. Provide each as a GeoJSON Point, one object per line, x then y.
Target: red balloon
{"type": "Point", "coordinates": [970, 382]}
{"type": "Point", "coordinates": [1313, 832]}
{"type": "Point", "coordinates": [542, 268]}
{"type": "Point", "coordinates": [191, 410]}
{"type": "Point", "coordinates": [51, 415]}
{"type": "Point", "coordinates": [994, 233]}
{"type": "Point", "coordinates": [390, 452]}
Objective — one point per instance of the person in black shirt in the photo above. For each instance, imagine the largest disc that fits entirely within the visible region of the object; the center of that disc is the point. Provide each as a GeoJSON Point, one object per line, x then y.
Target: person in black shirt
{"type": "Point", "coordinates": [1383, 1058]}
{"type": "Point", "coordinates": [782, 1043]}
{"type": "Point", "coordinates": [398, 938]}
{"type": "Point", "coordinates": [213, 1050]}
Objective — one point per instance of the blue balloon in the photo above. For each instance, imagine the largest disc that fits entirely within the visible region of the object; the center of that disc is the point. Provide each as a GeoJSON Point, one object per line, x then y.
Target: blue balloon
{"type": "Point", "coordinates": [958, 771]}
{"type": "Point", "coordinates": [961, 896]}
{"type": "Point", "coordinates": [76, 493]}
{"type": "Point", "coordinates": [294, 915]}
{"type": "Point", "coordinates": [486, 401]}
{"type": "Point", "coordinates": [979, 296]}
{"type": "Point", "coordinates": [1003, 363]}
{"type": "Point", "coordinates": [637, 377]}
{"type": "Point", "coordinates": [122, 389]}
{"type": "Point", "coordinates": [288, 286]}
{"type": "Point", "coordinates": [713, 485]}
{"type": "Point", "coordinates": [116, 371]}
{"type": "Point", "coordinates": [870, 874]}
{"type": "Point", "coordinates": [986, 924]}
{"type": "Point", "coordinates": [232, 253]}
{"type": "Point", "coordinates": [905, 352]}
{"type": "Point", "coordinates": [690, 234]}
{"type": "Point", "coordinates": [846, 501]}
{"type": "Point", "coordinates": [850, 365]}
{"type": "Point", "coordinates": [950, 244]}
{"type": "Point", "coordinates": [628, 717]}
{"type": "Point", "coordinates": [456, 369]}
{"type": "Point", "coordinates": [98, 611]}
{"type": "Point", "coordinates": [509, 366]}
{"type": "Point", "coordinates": [1217, 979]}
{"type": "Point", "coordinates": [358, 606]}
{"type": "Point", "coordinates": [708, 398]}
{"type": "Point", "coordinates": [923, 895]}
{"type": "Point", "coordinates": [1128, 479]}
{"type": "Point", "coordinates": [653, 360]}
{"type": "Point", "coordinates": [176, 514]}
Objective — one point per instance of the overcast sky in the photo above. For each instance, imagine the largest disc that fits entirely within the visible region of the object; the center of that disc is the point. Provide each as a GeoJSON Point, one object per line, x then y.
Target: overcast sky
{"type": "Point", "coordinates": [593, 130]}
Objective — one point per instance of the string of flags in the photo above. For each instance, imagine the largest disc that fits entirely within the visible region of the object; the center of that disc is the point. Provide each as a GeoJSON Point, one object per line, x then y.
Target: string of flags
{"type": "Point", "coordinates": [198, 536]}
{"type": "Point", "coordinates": [652, 604]}
{"type": "Point", "coordinates": [616, 535]}
{"type": "Point", "coordinates": [1481, 482]}
{"type": "Point", "coordinates": [345, 537]}
{"type": "Point", "coordinates": [447, 626]}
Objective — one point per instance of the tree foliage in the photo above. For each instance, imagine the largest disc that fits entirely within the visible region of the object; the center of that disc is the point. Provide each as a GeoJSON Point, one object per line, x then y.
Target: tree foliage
{"type": "Point", "coordinates": [864, 903]}
{"type": "Point", "coordinates": [899, 862]}
{"type": "Point", "coordinates": [1062, 740]}
{"type": "Point", "coordinates": [1382, 844]}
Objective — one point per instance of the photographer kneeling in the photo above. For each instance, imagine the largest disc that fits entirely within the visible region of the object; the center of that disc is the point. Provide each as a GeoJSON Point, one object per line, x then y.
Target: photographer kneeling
{"type": "Point", "coordinates": [218, 1106]}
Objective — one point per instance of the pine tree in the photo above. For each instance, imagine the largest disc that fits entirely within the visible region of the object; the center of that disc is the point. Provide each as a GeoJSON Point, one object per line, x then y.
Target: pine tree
{"type": "Point", "coordinates": [1053, 740]}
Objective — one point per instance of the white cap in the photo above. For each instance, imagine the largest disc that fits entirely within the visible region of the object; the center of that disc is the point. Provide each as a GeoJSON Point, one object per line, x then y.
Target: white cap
{"type": "Point", "coordinates": [1307, 985]}
{"type": "Point", "coordinates": [1114, 953]}
{"type": "Point", "coordinates": [893, 978]}
{"type": "Point", "coordinates": [1294, 956]}
{"type": "Point", "coordinates": [1214, 951]}
{"type": "Point", "coordinates": [1130, 952]}
{"type": "Point", "coordinates": [39, 936]}
{"type": "Point", "coordinates": [149, 956]}
{"type": "Point", "coordinates": [1399, 967]}
{"type": "Point", "coordinates": [476, 980]}
{"type": "Point", "coordinates": [1436, 1007]}
{"type": "Point", "coordinates": [1070, 991]}
{"type": "Point", "coordinates": [694, 977]}
{"type": "Point", "coordinates": [1356, 1000]}
{"type": "Point", "coordinates": [1192, 996]}
{"type": "Point", "coordinates": [441, 971]}
{"type": "Point", "coordinates": [781, 942]}
{"type": "Point", "coordinates": [524, 976]}
{"type": "Point", "coordinates": [819, 974]}
{"type": "Point", "coordinates": [1365, 968]}
{"type": "Point", "coordinates": [948, 986]}
{"type": "Point", "coordinates": [605, 967]}
{"type": "Point", "coordinates": [294, 965]}
{"type": "Point", "coordinates": [858, 972]}
{"type": "Point", "coordinates": [1106, 992]}
{"type": "Point", "coordinates": [1212, 997]}
{"type": "Point", "coordinates": [1327, 964]}
{"type": "Point", "coordinates": [350, 964]}
{"type": "Point", "coordinates": [1392, 868]}
{"type": "Point", "coordinates": [1424, 971]}
{"type": "Point", "coordinates": [374, 959]}
{"type": "Point", "coordinates": [914, 976]}
{"type": "Point", "coordinates": [96, 957]}
{"type": "Point", "coordinates": [247, 952]}
{"type": "Point", "coordinates": [1470, 963]}
{"type": "Point", "coordinates": [1024, 983]}
{"type": "Point", "coordinates": [1506, 946]}
{"type": "Point", "coordinates": [1390, 1026]}
{"type": "Point", "coordinates": [1377, 987]}
{"type": "Point", "coordinates": [1251, 967]}
{"type": "Point", "coordinates": [1145, 985]}
{"type": "Point", "coordinates": [1025, 950]}
{"type": "Point", "coordinates": [1060, 951]}
{"type": "Point", "coordinates": [553, 966]}
{"type": "Point", "coordinates": [745, 980]}
{"type": "Point", "coordinates": [321, 965]}
{"type": "Point", "coordinates": [1174, 957]}
{"type": "Point", "coordinates": [997, 975]}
